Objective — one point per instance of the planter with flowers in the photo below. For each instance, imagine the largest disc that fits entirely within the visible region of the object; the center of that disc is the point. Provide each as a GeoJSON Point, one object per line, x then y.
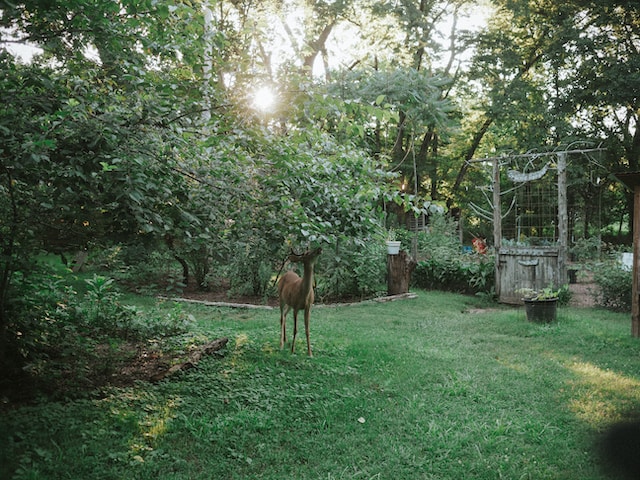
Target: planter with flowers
{"type": "Point", "coordinates": [393, 245]}
{"type": "Point", "coordinates": [540, 305]}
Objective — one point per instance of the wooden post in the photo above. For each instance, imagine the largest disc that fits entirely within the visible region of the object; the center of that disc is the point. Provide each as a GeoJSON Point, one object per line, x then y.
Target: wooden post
{"type": "Point", "coordinates": [563, 219]}
{"type": "Point", "coordinates": [632, 180]}
{"type": "Point", "coordinates": [635, 300]}
{"type": "Point", "coordinates": [399, 269]}
{"type": "Point", "coordinates": [497, 222]}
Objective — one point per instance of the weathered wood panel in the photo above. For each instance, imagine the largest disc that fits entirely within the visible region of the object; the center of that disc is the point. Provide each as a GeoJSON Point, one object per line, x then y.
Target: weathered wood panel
{"type": "Point", "coordinates": [530, 267]}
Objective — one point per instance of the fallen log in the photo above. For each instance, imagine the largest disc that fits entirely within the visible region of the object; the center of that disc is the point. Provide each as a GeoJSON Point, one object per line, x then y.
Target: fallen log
{"type": "Point", "coordinates": [194, 358]}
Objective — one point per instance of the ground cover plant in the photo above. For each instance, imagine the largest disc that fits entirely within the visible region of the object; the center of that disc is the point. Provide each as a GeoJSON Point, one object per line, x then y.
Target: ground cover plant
{"type": "Point", "coordinates": [434, 387]}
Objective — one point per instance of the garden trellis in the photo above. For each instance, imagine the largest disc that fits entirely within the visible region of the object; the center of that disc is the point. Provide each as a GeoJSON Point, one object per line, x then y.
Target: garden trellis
{"type": "Point", "coordinates": [532, 220]}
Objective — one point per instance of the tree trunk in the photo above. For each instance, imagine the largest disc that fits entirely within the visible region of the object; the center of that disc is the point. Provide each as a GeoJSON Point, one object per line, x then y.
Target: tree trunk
{"type": "Point", "coordinates": [471, 151]}
{"type": "Point", "coordinates": [398, 153]}
{"type": "Point", "coordinates": [169, 240]}
{"type": "Point", "coordinates": [317, 46]}
{"type": "Point", "coordinates": [399, 269]}
{"type": "Point", "coordinates": [185, 269]}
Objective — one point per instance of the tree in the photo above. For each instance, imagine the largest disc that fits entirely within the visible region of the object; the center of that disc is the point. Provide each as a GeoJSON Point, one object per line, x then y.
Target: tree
{"type": "Point", "coordinates": [110, 147]}
{"type": "Point", "coordinates": [88, 142]}
{"type": "Point", "coordinates": [545, 71]}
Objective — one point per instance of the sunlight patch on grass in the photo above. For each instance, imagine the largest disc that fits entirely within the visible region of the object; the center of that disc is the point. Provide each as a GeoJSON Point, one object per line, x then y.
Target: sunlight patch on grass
{"type": "Point", "coordinates": [153, 426]}
{"type": "Point", "coordinates": [515, 366]}
{"type": "Point", "coordinates": [607, 394]}
{"type": "Point", "coordinates": [242, 340]}
{"type": "Point", "coordinates": [141, 417]}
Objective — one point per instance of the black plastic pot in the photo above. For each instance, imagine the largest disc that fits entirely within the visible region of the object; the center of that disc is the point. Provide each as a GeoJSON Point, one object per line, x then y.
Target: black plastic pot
{"type": "Point", "coordinates": [541, 311]}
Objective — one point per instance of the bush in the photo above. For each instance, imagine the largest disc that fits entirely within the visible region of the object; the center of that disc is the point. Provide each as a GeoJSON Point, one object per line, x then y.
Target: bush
{"type": "Point", "coordinates": [56, 334]}
{"type": "Point", "coordinates": [102, 311]}
{"type": "Point", "coordinates": [251, 269]}
{"type": "Point", "coordinates": [564, 295]}
{"type": "Point", "coordinates": [42, 319]}
{"type": "Point", "coordinates": [614, 286]}
{"type": "Point", "coordinates": [456, 273]}
{"type": "Point", "coordinates": [443, 266]}
{"type": "Point", "coordinates": [370, 268]}
{"type": "Point", "coordinates": [142, 269]}
{"type": "Point", "coordinates": [586, 249]}
{"type": "Point", "coordinates": [352, 270]}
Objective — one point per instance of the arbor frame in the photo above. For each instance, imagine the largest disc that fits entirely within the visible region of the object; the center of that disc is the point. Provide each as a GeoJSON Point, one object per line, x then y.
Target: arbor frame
{"type": "Point", "coordinates": [530, 266]}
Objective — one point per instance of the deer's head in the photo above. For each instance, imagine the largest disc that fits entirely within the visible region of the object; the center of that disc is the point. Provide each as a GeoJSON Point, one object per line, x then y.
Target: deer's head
{"type": "Point", "coordinates": [310, 256]}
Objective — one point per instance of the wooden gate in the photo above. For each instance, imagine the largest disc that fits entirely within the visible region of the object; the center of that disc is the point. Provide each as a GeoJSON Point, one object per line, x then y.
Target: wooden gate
{"type": "Point", "coordinates": [526, 267]}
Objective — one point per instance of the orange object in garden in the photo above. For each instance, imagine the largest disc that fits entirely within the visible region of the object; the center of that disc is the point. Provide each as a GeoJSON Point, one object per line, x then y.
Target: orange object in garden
{"type": "Point", "coordinates": [479, 245]}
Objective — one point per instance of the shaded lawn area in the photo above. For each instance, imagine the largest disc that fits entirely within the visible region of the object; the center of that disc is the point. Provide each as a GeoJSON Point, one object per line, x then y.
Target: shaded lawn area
{"type": "Point", "coordinates": [429, 388]}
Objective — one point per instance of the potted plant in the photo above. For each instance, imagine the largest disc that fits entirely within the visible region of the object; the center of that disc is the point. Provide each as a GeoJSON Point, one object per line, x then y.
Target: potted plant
{"type": "Point", "coordinates": [393, 245]}
{"type": "Point", "coordinates": [540, 305]}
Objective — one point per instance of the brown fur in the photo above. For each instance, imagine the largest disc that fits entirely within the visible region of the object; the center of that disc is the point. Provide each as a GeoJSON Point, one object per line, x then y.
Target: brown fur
{"type": "Point", "coordinates": [297, 293]}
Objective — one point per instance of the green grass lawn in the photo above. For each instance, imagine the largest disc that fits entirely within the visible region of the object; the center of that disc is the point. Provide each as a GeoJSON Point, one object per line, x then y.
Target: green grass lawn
{"type": "Point", "coordinates": [428, 388]}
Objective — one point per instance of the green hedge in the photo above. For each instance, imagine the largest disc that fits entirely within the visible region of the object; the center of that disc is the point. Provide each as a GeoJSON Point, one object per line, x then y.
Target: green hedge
{"type": "Point", "coordinates": [460, 273]}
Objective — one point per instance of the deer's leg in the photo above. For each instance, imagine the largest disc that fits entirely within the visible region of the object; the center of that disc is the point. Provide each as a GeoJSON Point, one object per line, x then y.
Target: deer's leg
{"type": "Point", "coordinates": [283, 325]}
{"type": "Point", "coordinates": [307, 314]}
{"type": "Point", "coordinates": [295, 330]}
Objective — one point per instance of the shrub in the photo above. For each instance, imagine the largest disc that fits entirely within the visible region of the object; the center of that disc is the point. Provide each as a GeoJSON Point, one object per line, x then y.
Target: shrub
{"type": "Point", "coordinates": [443, 266]}
{"type": "Point", "coordinates": [141, 268]}
{"type": "Point", "coordinates": [56, 333]}
{"type": "Point", "coordinates": [614, 286]}
{"type": "Point", "coordinates": [481, 274]}
{"type": "Point", "coordinates": [440, 240]}
{"type": "Point", "coordinates": [41, 318]}
{"type": "Point", "coordinates": [251, 269]}
{"type": "Point", "coordinates": [370, 268]}
{"type": "Point", "coordinates": [102, 310]}
{"type": "Point", "coordinates": [586, 249]}
{"type": "Point", "coordinates": [564, 295]}
{"type": "Point", "coordinates": [353, 269]}
{"type": "Point", "coordinates": [456, 273]}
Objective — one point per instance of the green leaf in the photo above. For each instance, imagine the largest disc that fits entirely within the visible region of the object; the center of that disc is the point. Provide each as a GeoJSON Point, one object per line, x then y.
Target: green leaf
{"type": "Point", "coordinates": [106, 167]}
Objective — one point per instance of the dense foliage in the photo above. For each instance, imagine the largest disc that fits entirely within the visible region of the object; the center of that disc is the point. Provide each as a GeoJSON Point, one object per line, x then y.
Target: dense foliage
{"type": "Point", "coordinates": [73, 336]}
{"type": "Point", "coordinates": [444, 265]}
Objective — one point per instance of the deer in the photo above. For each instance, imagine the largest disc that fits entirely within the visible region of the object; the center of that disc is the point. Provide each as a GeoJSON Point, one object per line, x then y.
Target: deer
{"type": "Point", "coordinates": [296, 294]}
